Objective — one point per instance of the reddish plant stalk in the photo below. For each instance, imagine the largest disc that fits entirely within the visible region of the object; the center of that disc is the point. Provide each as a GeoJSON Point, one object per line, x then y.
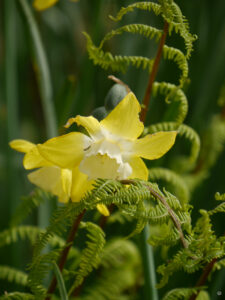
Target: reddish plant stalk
{"type": "Point", "coordinates": [204, 276]}
{"type": "Point", "coordinates": [65, 252]}
{"type": "Point", "coordinates": [152, 76]}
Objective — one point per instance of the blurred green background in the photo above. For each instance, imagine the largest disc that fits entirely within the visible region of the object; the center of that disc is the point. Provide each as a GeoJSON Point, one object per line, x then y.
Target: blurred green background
{"type": "Point", "coordinates": [78, 86]}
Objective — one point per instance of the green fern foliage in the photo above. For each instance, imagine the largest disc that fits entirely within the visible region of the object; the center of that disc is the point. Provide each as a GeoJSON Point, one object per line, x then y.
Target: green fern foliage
{"type": "Point", "coordinates": [13, 275]}
{"type": "Point", "coordinates": [120, 259]}
{"type": "Point", "coordinates": [17, 296]}
{"type": "Point", "coordinates": [28, 204]}
{"type": "Point", "coordinates": [91, 255]}
{"type": "Point", "coordinates": [180, 294]}
{"type": "Point", "coordinates": [174, 180]}
{"type": "Point", "coordinates": [204, 246]}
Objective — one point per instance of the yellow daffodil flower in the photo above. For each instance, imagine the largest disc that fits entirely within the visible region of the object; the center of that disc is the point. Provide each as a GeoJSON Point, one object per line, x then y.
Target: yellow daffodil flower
{"type": "Point", "coordinates": [68, 165]}
{"type": "Point", "coordinates": [61, 182]}
{"type": "Point", "coordinates": [111, 149]}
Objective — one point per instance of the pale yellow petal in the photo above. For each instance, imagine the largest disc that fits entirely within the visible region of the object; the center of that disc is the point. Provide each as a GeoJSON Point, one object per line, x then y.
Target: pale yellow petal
{"type": "Point", "coordinates": [33, 159]}
{"type": "Point", "coordinates": [123, 120]}
{"type": "Point", "coordinates": [91, 124]}
{"type": "Point", "coordinates": [43, 4]}
{"type": "Point", "coordinates": [65, 151]}
{"type": "Point", "coordinates": [80, 185]}
{"type": "Point", "coordinates": [139, 169]}
{"type": "Point", "coordinates": [103, 210]}
{"type": "Point", "coordinates": [153, 146]}
{"type": "Point", "coordinates": [21, 145]}
{"type": "Point", "coordinates": [66, 177]}
{"type": "Point", "coordinates": [49, 179]}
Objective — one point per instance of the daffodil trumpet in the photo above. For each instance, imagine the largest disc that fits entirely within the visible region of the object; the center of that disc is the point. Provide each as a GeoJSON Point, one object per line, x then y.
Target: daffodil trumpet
{"type": "Point", "coordinates": [111, 149]}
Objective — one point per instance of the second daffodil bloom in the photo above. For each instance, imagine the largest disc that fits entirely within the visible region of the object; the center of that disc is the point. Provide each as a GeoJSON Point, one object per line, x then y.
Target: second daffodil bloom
{"type": "Point", "coordinates": [111, 150]}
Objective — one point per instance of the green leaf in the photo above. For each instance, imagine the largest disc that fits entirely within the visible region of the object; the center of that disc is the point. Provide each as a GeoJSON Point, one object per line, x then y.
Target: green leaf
{"type": "Point", "coordinates": [61, 284]}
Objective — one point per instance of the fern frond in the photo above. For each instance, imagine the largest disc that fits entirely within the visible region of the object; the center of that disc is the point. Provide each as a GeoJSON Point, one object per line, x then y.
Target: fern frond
{"type": "Point", "coordinates": [61, 219]}
{"type": "Point", "coordinates": [220, 197]}
{"type": "Point", "coordinates": [17, 296]}
{"type": "Point", "coordinates": [39, 269]}
{"type": "Point", "coordinates": [120, 259]}
{"type": "Point", "coordinates": [173, 94]}
{"type": "Point", "coordinates": [117, 251]}
{"type": "Point", "coordinates": [118, 62]}
{"type": "Point", "coordinates": [27, 205]}
{"type": "Point", "coordinates": [163, 235]}
{"type": "Point", "coordinates": [13, 275]}
{"type": "Point", "coordinates": [31, 233]}
{"type": "Point", "coordinates": [145, 30]}
{"type": "Point", "coordinates": [179, 186]}
{"type": "Point", "coordinates": [180, 293]}
{"type": "Point", "coordinates": [218, 209]}
{"type": "Point", "coordinates": [204, 246]}
{"type": "Point", "coordinates": [179, 58]}
{"type": "Point", "coordinates": [91, 255]}
{"type": "Point", "coordinates": [178, 22]}
{"type": "Point", "coordinates": [148, 6]}
{"type": "Point", "coordinates": [15, 234]}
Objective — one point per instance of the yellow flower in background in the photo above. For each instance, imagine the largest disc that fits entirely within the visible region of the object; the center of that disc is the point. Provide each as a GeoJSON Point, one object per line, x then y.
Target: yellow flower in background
{"type": "Point", "coordinates": [43, 4]}
{"type": "Point", "coordinates": [111, 150]}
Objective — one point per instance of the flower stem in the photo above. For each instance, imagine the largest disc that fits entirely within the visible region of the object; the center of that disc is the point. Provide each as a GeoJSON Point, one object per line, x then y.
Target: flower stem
{"type": "Point", "coordinates": [65, 252]}
{"type": "Point", "coordinates": [152, 76]}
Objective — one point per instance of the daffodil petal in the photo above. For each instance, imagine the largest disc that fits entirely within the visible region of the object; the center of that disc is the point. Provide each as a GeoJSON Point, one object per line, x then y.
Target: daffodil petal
{"type": "Point", "coordinates": [65, 151]}
{"type": "Point", "coordinates": [21, 145]}
{"type": "Point", "coordinates": [49, 179]}
{"type": "Point", "coordinates": [103, 209]}
{"type": "Point", "coordinates": [91, 124]}
{"type": "Point", "coordinates": [80, 185]}
{"type": "Point", "coordinates": [139, 169]}
{"type": "Point", "coordinates": [123, 120]}
{"type": "Point", "coordinates": [153, 146]}
{"type": "Point", "coordinates": [66, 177]}
{"type": "Point", "coordinates": [33, 159]}
{"type": "Point", "coordinates": [43, 4]}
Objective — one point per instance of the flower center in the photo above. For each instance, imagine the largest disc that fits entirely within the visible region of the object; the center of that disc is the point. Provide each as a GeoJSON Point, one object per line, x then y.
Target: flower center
{"type": "Point", "coordinates": [103, 159]}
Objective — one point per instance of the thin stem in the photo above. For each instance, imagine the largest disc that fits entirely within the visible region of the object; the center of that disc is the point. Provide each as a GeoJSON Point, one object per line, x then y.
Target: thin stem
{"type": "Point", "coordinates": [170, 211]}
{"type": "Point", "coordinates": [204, 276]}
{"type": "Point", "coordinates": [117, 80]}
{"type": "Point", "coordinates": [152, 76]}
{"type": "Point", "coordinates": [65, 252]}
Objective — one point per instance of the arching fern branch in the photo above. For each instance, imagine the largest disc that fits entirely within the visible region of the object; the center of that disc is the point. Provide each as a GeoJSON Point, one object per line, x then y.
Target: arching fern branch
{"type": "Point", "coordinates": [179, 186]}
{"type": "Point", "coordinates": [13, 275]}
{"type": "Point", "coordinates": [171, 14]}
{"type": "Point", "coordinates": [17, 296]}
